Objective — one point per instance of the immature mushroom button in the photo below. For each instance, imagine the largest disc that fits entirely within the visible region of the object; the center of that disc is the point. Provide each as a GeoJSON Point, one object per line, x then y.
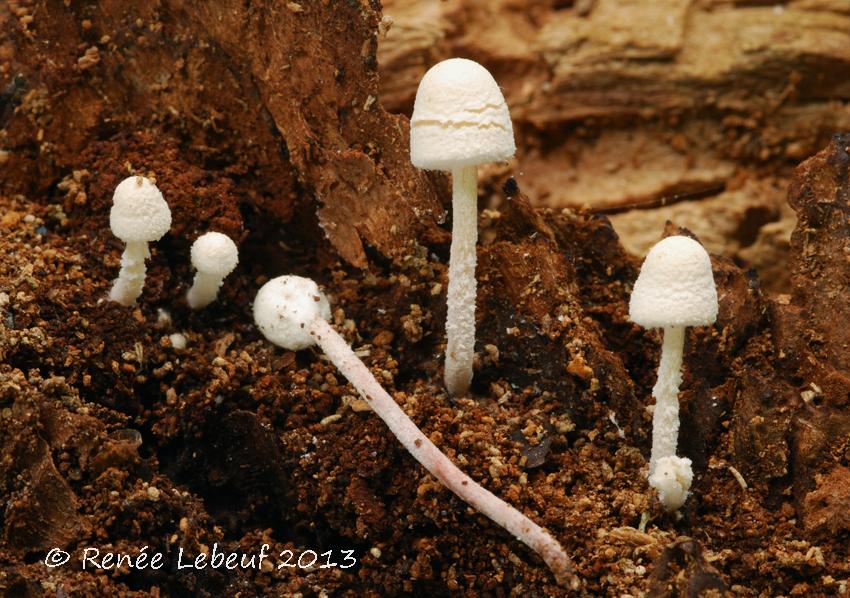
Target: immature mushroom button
{"type": "Point", "coordinates": [138, 216]}
{"type": "Point", "coordinates": [291, 312]}
{"type": "Point", "coordinates": [460, 120]}
{"type": "Point", "coordinates": [214, 256]}
{"type": "Point", "coordinates": [675, 289]}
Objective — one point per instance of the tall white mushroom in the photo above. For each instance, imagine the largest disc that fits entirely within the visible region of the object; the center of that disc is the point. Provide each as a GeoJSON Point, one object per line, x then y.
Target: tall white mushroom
{"type": "Point", "coordinates": [138, 216]}
{"type": "Point", "coordinates": [214, 256]}
{"type": "Point", "coordinates": [292, 312]}
{"type": "Point", "coordinates": [675, 289]}
{"type": "Point", "coordinates": [460, 120]}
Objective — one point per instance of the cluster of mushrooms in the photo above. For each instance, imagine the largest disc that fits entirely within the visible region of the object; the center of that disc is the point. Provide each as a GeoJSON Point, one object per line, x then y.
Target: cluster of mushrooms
{"type": "Point", "coordinates": [460, 120]}
{"type": "Point", "coordinates": [139, 216]}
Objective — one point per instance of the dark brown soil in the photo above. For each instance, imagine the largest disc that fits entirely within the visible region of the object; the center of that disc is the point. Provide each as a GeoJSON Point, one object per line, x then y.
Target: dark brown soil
{"type": "Point", "coordinates": [111, 437]}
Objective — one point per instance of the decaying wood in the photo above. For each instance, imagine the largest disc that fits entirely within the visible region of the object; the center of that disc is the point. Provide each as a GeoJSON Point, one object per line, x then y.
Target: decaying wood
{"type": "Point", "coordinates": [280, 123]}
{"type": "Point", "coordinates": [615, 103]}
{"type": "Point", "coordinates": [708, 85]}
{"type": "Point", "coordinates": [287, 100]}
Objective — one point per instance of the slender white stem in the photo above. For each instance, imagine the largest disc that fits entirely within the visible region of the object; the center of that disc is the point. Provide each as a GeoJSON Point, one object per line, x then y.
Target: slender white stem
{"type": "Point", "coordinates": [128, 286]}
{"type": "Point", "coordinates": [665, 418]}
{"type": "Point", "coordinates": [460, 320]}
{"type": "Point", "coordinates": [438, 464]}
{"type": "Point", "coordinates": [204, 290]}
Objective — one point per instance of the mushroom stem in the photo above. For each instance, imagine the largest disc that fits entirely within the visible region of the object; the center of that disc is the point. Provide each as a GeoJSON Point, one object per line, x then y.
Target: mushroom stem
{"type": "Point", "coordinates": [437, 463]}
{"type": "Point", "coordinates": [204, 289]}
{"type": "Point", "coordinates": [460, 320]}
{"type": "Point", "coordinates": [128, 286]}
{"type": "Point", "coordinates": [665, 417]}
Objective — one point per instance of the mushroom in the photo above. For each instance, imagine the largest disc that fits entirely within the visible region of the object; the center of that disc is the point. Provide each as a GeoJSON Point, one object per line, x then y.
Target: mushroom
{"type": "Point", "coordinates": [214, 256]}
{"type": "Point", "coordinates": [675, 289]}
{"type": "Point", "coordinates": [292, 313]}
{"type": "Point", "coordinates": [460, 120]}
{"type": "Point", "coordinates": [138, 216]}
{"type": "Point", "coordinates": [672, 479]}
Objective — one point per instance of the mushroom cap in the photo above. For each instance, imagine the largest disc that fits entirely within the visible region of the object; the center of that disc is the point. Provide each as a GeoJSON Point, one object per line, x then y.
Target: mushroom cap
{"type": "Point", "coordinates": [284, 309]}
{"type": "Point", "coordinates": [672, 479]}
{"type": "Point", "coordinates": [460, 118]}
{"type": "Point", "coordinates": [215, 253]}
{"type": "Point", "coordinates": [675, 286]}
{"type": "Point", "coordinates": [139, 212]}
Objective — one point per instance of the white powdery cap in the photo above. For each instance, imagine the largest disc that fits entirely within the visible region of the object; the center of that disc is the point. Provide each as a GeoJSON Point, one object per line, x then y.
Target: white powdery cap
{"type": "Point", "coordinates": [215, 253]}
{"type": "Point", "coordinates": [139, 212]}
{"type": "Point", "coordinates": [284, 309]}
{"type": "Point", "coordinates": [675, 286]}
{"type": "Point", "coordinates": [460, 118]}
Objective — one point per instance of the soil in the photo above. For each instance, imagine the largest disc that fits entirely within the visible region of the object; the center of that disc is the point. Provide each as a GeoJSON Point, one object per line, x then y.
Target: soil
{"type": "Point", "coordinates": [275, 123]}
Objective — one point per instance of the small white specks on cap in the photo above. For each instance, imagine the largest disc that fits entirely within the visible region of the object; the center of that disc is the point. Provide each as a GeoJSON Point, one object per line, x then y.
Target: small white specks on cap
{"type": "Point", "coordinates": [139, 212]}
{"type": "Point", "coordinates": [460, 118]}
{"type": "Point", "coordinates": [285, 307]}
{"type": "Point", "coordinates": [215, 253]}
{"type": "Point", "coordinates": [675, 286]}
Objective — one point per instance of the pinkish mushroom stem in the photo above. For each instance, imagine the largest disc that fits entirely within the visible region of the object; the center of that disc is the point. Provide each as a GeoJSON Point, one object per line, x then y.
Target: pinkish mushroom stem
{"type": "Point", "coordinates": [437, 463]}
{"type": "Point", "coordinates": [293, 313]}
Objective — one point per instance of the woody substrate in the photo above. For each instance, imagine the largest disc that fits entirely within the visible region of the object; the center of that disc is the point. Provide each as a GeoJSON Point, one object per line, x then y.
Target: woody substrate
{"type": "Point", "coordinates": [113, 437]}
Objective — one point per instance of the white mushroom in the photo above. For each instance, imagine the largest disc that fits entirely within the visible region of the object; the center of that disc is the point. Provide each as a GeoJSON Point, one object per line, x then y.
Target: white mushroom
{"type": "Point", "coordinates": [675, 289]}
{"type": "Point", "coordinates": [214, 256]}
{"type": "Point", "coordinates": [672, 479]}
{"type": "Point", "coordinates": [460, 120]}
{"type": "Point", "coordinates": [291, 312]}
{"type": "Point", "coordinates": [287, 307]}
{"type": "Point", "coordinates": [138, 216]}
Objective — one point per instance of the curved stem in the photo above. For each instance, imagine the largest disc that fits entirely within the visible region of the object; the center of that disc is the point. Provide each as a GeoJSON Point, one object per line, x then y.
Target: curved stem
{"type": "Point", "coordinates": [128, 286]}
{"type": "Point", "coordinates": [438, 464]}
{"type": "Point", "coordinates": [665, 418]}
{"type": "Point", "coordinates": [460, 320]}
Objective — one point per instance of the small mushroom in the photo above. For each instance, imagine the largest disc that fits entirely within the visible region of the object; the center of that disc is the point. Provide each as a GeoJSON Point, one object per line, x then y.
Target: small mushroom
{"type": "Point", "coordinates": [675, 289]}
{"type": "Point", "coordinates": [214, 256]}
{"type": "Point", "coordinates": [292, 313]}
{"type": "Point", "coordinates": [460, 120]}
{"type": "Point", "coordinates": [138, 216]}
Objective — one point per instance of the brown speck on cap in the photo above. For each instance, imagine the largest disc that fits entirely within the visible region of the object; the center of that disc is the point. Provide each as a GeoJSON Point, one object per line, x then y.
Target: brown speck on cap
{"type": "Point", "coordinates": [417, 442]}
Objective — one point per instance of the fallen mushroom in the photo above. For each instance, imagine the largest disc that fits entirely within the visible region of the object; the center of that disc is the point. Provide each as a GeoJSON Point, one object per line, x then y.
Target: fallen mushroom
{"type": "Point", "coordinates": [214, 256]}
{"type": "Point", "coordinates": [675, 289]}
{"type": "Point", "coordinates": [138, 216]}
{"type": "Point", "coordinates": [292, 313]}
{"type": "Point", "coordinates": [460, 120]}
